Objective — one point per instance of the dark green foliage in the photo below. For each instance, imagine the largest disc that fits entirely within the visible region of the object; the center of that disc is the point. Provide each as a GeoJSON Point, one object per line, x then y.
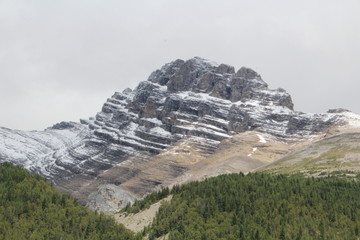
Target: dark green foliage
{"type": "Point", "coordinates": [261, 206]}
{"type": "Point", "coordinates": [256, 206]}
{"type": "Point", "coordinates": [31, 209]}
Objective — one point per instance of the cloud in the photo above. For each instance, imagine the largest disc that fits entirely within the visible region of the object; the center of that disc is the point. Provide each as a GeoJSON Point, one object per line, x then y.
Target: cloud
{"type": "Point", "coordinates": [61, 59]}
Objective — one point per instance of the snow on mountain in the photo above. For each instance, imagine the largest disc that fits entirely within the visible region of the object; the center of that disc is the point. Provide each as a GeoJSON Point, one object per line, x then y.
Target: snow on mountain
{"type": "Point", "coordinates": [198, 100]}
{"type": "Point", "coordinates": [38, 150]}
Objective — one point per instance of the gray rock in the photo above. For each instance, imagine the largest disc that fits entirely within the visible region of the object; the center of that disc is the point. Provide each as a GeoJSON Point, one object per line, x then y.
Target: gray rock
{"type": "Point", "coordinates": [127, 91]}
{"type": "Point", "coordinates": [221, 90]}
{"type": "Point", "coordinates": [247, 73]}
{"type": "Point", "coordinates": [224, 68]}
{"type": "Point", "coordinates": [184, 78]}
{"type": "Point", "coordinates": [63, 125]}
{"type": "Point", "coordinates": [338, 110]}
{"type": "Point", "coordinates": [109, 199]}
{"type": "Point", "coordinates": [206, 82]}
{"type": "Point", "coordinates": [163, 75]}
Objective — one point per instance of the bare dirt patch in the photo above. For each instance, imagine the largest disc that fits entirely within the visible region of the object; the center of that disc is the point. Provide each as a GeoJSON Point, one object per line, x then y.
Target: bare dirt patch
{"type": "Point", "coordinates": [136, 222]}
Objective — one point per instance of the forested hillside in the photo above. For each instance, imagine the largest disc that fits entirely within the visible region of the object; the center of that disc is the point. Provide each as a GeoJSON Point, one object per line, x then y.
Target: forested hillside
{"type": "Point", "coordinates": [259, 206]}
{"type": "Point", "coordinates": [31, 209]}
{"type": "Point", "coordinates": [255, 206]}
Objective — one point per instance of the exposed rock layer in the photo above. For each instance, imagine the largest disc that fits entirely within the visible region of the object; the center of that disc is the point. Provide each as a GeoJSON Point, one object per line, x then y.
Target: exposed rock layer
{"type": "Point", "coordinates": [196, 101]}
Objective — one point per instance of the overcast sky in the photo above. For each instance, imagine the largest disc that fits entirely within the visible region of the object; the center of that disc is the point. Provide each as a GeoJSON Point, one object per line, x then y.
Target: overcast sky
{"type": "Point", "coordinates": [61, 60]}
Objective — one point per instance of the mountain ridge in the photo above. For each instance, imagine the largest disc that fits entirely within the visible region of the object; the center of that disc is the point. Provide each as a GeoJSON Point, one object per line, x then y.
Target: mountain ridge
{"type": "Point", "coordinates": [127, 146]}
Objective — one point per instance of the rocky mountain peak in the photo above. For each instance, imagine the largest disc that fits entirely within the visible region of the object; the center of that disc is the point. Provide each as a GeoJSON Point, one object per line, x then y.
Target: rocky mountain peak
{"type": "Point", "coordinates": [127, 91]}
{"type": "Point", "coordinates": [247, 73]}
{"type": "Point", "coordinates": [196, 101]}
{"type": "Point", "coordinates": [63, 125]}
{"type": "Point", "coordinates": [218, 80]}
{"type": "Point", "coordinates": [338, 110]}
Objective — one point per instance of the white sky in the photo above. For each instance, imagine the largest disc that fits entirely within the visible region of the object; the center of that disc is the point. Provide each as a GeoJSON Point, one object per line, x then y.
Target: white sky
{"type": "Point", "coordinates": [61, 60]}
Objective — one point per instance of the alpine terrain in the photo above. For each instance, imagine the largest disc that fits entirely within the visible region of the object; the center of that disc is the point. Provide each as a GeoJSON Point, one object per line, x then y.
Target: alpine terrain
{"type": "Point", "coordinates": [190, 120]}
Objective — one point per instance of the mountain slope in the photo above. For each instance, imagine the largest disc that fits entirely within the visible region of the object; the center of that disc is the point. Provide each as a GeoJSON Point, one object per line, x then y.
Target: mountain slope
{"type": "Point", "coordinates": [31, 209]}
{"type": "Point", "coordinates": [184, 123]}
{"type": "Point", "coordinates": [338, 155]}
{"type": "Point", "coordinates": [39, 150]}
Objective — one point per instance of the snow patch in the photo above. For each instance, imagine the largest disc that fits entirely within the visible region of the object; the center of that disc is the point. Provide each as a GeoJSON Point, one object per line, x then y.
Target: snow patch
{"type": "Point", "coordinates": [253, 151]}
{"type": "Point", "coordinates": [154, 120]}
{"type": "Point", "coordinates": [353, 119]}
{"type": "Point", "coordinates": [261, 138]}
{"type": "Point", "coordinates": [160, 132]}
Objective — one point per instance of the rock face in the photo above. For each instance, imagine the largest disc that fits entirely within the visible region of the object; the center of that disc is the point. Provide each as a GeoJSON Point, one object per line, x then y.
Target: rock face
{"type": "Point", "coordinates": [109, 198]}
{"type": "Point", "coordinates": [40, 151]}
{"type": "Point", "coordinates": [197, 100]}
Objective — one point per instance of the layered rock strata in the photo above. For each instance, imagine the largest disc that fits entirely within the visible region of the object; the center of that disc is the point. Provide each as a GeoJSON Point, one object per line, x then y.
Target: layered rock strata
{"type": "Point", "coordinates": [196, 100]}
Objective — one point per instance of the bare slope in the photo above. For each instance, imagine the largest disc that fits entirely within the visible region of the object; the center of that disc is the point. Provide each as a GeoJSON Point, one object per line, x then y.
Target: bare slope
{"type": "Point", "coordinates": [337, 154]}
{"type": "Point", "coordinates": [137, 221]}
{"type": "Point", "coordinates": [184, 162]}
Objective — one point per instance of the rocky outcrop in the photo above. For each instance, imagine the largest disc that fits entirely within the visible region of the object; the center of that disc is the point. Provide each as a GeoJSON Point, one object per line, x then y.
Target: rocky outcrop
{"type": "Point", "coordinates": [196, 99]}
{"type": "Point", "coordinates": [109, 198]}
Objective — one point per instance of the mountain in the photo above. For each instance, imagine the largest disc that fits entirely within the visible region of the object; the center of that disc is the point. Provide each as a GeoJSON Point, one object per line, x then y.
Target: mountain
{"type": "Point", "coordinates": [191, 119]}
